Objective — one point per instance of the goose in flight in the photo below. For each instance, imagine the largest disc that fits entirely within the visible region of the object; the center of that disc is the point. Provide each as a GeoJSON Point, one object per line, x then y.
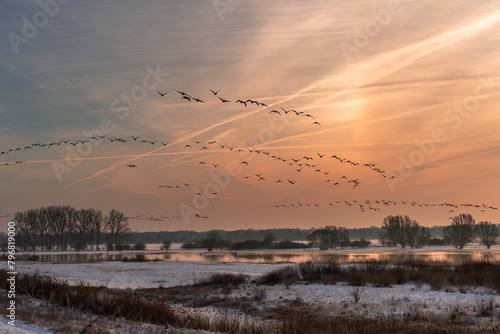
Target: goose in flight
{"type": "Point", "coordinates": [215, 93]}
{"type": "Point", "coordinates": [163, 94]}
{"type": "Point", "coordinates": [242, 102]}
{"type": "Point", "coordinates": [131, 166]}
{"type": "Point", "coordinates": [317, 123]}
{"type": "Point", "coordinates": [223, 100]}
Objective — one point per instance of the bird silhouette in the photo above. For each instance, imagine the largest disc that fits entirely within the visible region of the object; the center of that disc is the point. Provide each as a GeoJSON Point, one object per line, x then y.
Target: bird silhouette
{"type": "Point", "coordinates": [242, 102]}
{"type": "Point", "coordinates": [131, 166]}
{"type": "Point", "coordinates": [163, 94]}
{"type": "Point", "coordinates": [316, 123]}
{"type": "Point", "coordinates": [215, 93]}
{"type": "Point", "coordinates": [223, 100]}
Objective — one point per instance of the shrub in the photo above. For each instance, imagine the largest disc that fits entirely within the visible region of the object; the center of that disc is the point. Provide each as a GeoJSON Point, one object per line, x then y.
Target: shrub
{"type": "Point", "coordinates": [166, 245]}
{"type": "Point", "coordinates": [32, 257]}
{"type": "Point", "coordinates": [139, 246]}
{"type": "Point", "coordinates": [223, 279]}
{"type": "Point", "coordinates": [356, 293]}
{"type": "Point", "coordinates": [259, 294]}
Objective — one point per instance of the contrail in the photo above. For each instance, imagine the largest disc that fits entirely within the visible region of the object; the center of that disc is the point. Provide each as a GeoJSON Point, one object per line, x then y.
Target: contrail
{"type": "Point", "coordinates": [373, 70]}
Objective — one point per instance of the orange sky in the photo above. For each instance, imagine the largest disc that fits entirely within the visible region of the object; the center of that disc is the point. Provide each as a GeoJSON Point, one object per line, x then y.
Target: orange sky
{"type": "Point", "coordinates": [411, 86]}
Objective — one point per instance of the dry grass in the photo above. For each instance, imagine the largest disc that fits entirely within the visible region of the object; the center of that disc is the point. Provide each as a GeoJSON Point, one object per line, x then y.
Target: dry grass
{"type": "Point", "coordinates": [152, 306]}
{"type": "Point", "coordinates": [383, 275]}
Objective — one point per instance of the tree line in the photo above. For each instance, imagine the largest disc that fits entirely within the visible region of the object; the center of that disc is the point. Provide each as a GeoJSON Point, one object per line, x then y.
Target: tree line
{"type": "Point", "coordinates": [403, 231]}
{"type": "Point", "coordinates": [395, 231]}
{"type": "Point", "coordinates": [63, 227]}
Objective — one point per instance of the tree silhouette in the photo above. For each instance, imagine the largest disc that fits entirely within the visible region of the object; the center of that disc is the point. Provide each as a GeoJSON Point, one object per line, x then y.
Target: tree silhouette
{"type": "Point", "coordinates": [401, 230]}
{"type": "Point", "coordinates": [461, 231]}
{"type": "Point", "coordinates": [117, 226]}
{"type": "Point", "coordinates": [487, 233]}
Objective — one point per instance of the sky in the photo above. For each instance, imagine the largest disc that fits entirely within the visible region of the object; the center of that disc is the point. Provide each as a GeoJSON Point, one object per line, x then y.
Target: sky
{"type": "Point", "coordinates": [361, 109]}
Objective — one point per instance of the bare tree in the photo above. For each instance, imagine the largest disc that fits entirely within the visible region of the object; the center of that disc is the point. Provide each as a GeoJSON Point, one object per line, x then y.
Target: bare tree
{"type": "Point", "coordinates": [117, 226]}
{"type": "Point", "coordinates": [325, 238]}
{"type": "Point", "coordinates": [166, 245]}
{"type": "Point", "coordinates": [400, 230]}
{"type": "Point", "coordinates": [461, 231]}
{"type": "Point", "coordinates": [344, 237]}
{"type": "Point", "coordinates": [423, 237]}
{"type": "Point", "coordinates": [89, 227]}
{"type": "Point", "coordinates": [213, 240]}
{"type": "Point", "coordinates": [487, 233]}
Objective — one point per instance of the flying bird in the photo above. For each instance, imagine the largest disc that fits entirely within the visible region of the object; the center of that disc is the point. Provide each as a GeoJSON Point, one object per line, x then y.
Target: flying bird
{"type": "Point", "coordinates": [316, 123]}
{"type": "Point", "coordinates": [131, 166]}
{"type": "Point", "coordinates": [242, 102]}
{"type": "Point", "coordinates": [215, 93]}
{"type": "Point", "coordinates": [163, 94]}
{"type": "Point", "coordinates": [223, 100]}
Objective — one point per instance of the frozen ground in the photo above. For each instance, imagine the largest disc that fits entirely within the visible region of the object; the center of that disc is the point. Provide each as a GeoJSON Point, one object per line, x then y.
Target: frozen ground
{"type": "Point", "coordinates": [5, 328]}
{"type": "Point", "coordinates": [398, 299]}
{"type": "Point", "coordinates": [133, 275]}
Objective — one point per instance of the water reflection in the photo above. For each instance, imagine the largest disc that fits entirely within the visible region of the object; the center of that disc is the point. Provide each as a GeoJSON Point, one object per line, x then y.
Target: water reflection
{"type": "Point", "coordinates": [452, 257]}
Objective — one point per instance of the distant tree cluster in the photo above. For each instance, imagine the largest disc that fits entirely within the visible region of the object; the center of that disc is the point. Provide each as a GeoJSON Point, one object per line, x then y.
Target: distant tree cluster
{"type": "Point", "coordinates": [463, 230]}
{"type": "Point", "coordinates": [216, 241]}
{"type": "Point", "coordinates": [63, 227]}
{"type": "Point", "coordinates": [332, 237]}
{"type": "Point", "coordinates": [401, 230]}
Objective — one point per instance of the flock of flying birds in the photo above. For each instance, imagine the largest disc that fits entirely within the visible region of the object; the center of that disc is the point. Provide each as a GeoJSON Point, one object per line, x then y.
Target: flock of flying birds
{"type": "Point", "coordinates": [309, 162]}
{"type": "Point", "coordinates": [374, 205]}
{"type": "Point", "coordinates": [244, 102]}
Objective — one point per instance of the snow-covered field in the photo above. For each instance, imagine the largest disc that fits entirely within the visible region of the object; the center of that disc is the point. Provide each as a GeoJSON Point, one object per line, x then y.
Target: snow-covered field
{"type": "Point", "coordinates": [373, 300]}
{"type": "Point", "coordinates": [5, 328]}
{"type": "Point", "coordinates": [133, 275]}
{"type": "Point", "coordinates": [397, 300]}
